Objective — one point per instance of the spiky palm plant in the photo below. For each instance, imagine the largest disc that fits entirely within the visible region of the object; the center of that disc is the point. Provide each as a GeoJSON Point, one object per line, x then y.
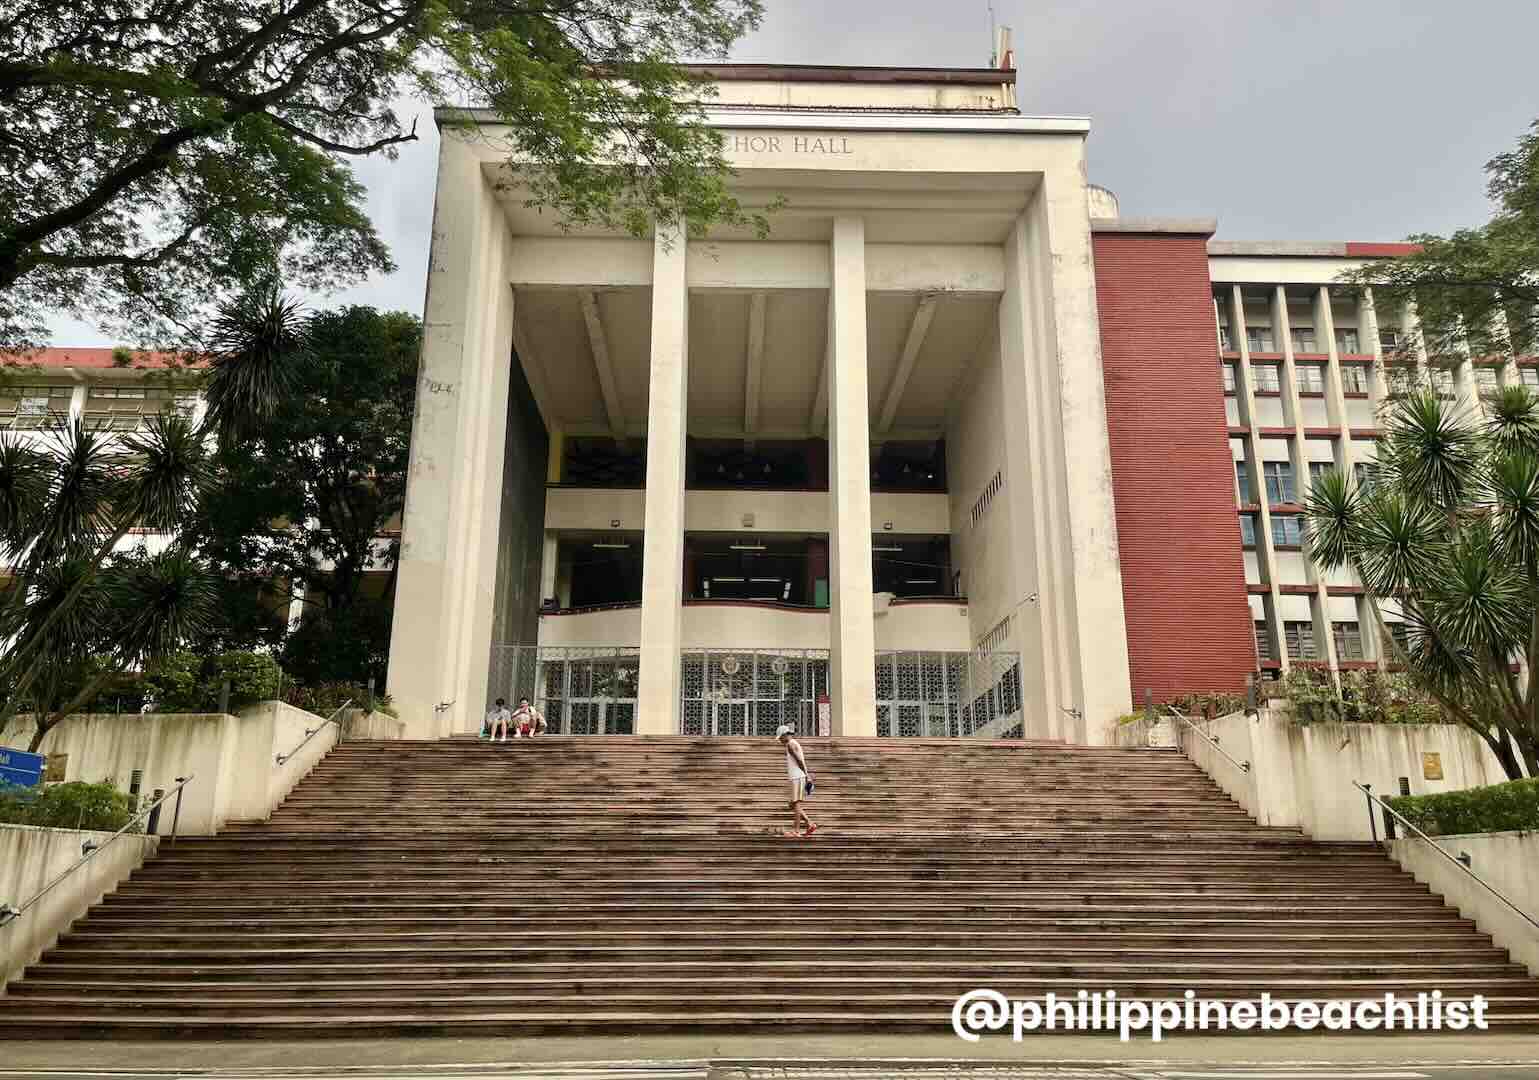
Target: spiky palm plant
{"type": "Point", "coordinates": [256, 346]}
{"type": "Point", "coordinates": [1449, 533]}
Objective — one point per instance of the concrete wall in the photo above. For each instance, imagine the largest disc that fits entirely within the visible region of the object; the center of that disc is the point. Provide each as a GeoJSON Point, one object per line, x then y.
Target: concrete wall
{"type": "Point", "coordinates": [592, 510]}
{"type": "Point", "coordinates": [1302, 775]}
{"type": "Point", "coordinates": [30, 858]}
{"type": "Point", "coordinates": [725, 625]}
{"type": "Point", "coordinates": [232, 759]}
{"type": "Point", "coordinates": [1507, 861]}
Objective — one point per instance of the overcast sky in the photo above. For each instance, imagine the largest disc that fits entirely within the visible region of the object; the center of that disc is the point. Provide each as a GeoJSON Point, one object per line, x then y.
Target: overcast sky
{"type": "Point", "coordinates": [1285, 120]}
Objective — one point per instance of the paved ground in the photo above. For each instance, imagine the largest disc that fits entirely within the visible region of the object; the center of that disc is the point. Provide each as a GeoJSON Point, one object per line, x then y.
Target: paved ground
{"type": "Point", "coordinates": [1480, 1057]}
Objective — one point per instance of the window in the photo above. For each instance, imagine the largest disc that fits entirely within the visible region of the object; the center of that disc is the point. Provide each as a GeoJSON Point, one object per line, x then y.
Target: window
{"type": "Point", "coordinates": [1279, 481]}
{"type": "Point", "coordinates": [1301, 640]}
{"type": "Point", "coordinates": [1247, 530]}
{"type": "Point", "coordinates": [124, 408]}
{"type": "Point", "coordinates": [1354, 378]}
{"type": "Point", "coordinates": [1266, 378]}
{"type": "Point", "coordinates": [1402, 379]}
{"type": "Point", "coordinates": [1310, 378]}
{"type": "Point", "coordinates": [1317, 469]}
{"type": "Point", "coordinates": [1391, 341]}
{"type": "Point", "coordinates": [1442, 381]}
{"type": "Point", "coordinates": [1362, 472]}
{"type": "Point", "coordinates": [1229, 378]}
{"type": "Point", "coordinates": [1348, 639]}
{"type": "Point", "coordinates": [1260, 339]}
{"type": "Point", "coordinates": [1263, 641]}
{"type": "Point", "coordinates": [1242, 479]}
{"type": "Point", "coordinates": [30, 407]}
{"type": "Point", "coordinates": [1287, 530]}
{"type": "Point", "coordinates": [1347, 343]}
{"type": "Point", "coordinates": [1304, 339]}
{"type": "Point", "coordinates": [1487, 380]}
{"type": "Point", "coordinates": [1529, 377]}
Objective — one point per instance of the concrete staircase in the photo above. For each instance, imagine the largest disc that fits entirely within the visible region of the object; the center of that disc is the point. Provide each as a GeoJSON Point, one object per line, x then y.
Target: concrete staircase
{"type": "Point", "coordinates": [634, 884]}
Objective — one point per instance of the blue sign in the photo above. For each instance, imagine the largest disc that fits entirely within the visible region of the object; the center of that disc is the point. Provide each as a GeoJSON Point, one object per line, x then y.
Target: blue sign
{"type": "Point", "coordinates": [20, 767]}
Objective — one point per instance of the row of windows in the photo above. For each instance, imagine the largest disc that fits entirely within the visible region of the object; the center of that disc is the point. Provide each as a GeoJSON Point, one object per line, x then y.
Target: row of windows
{"type": "Point", "coordinates": [1308, 378]}
{"type": "Point", "coordinates": [1260, 339]}
{"type": "Point", "coordinates": [1299, 639]}
{"type": "Point", "coordinates": [1279, 478]}
{"type": "Point", "coordinates": [108, 408]}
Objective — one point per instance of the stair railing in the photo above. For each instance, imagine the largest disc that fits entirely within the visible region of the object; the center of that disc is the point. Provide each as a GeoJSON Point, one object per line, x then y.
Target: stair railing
{"type": "Point", "coordinates": [1243, 766]}
{"type": "Point", "coordinates": [1391, 812]}
{"type": "Point", "coordinates": [90, 848]}
{"type": "Point", "coordinates": [311, 733]}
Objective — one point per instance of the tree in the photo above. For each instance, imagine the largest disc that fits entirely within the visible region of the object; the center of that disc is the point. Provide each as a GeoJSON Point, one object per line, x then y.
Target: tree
{"type": "Point", "coordinates": [303, 498]}
{"type": "Point", "coordinates": [1448, 531]}
{"type": "Point", "coordinates": [1477, 290]}
{"type": "Point", "coordinates": [76, 611]}
{"type": "Point", "coordinates": [158, 156]}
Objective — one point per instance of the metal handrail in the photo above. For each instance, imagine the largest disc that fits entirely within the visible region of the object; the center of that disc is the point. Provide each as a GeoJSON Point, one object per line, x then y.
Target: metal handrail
{"type": "Point", "coordinates": [1482, 882]}
{"type": "Point", "coordinates": [9, 914]}
{"type": "Point", "coordinates": [1243, 766]}
{"type": "Point", "coordinates": [310, 733]}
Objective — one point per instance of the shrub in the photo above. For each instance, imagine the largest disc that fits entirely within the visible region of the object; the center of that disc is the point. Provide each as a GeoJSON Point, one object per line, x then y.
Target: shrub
{"type": "Point", "coordinates": [75, 805]}
{"type": "Point", "coordinates": [186, 682]}
{"type": "Point", "coordinates": [1496, 808]}
{"type": "Point", "coordinates": [323, 699]}
{"type": "Point", "coordinates": [1365, 697]}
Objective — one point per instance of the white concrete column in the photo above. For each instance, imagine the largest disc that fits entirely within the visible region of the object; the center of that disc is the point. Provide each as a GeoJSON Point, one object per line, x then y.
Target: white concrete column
{"type": "Point", "coordinates": [548, 558]}
{"type": "Point", "coordinates": [662, 562]}
{"type": "Point", "coordinates": [447, 580]}
{"type": "Point", "coordinates": [852, 631]}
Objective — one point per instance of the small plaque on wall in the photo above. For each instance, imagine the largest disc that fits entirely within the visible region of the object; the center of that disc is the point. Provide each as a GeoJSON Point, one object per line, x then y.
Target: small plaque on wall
{"type": "Point", "coordinates": [54, 771]}
{"type": "Point", "coordinates": [1432, 766]}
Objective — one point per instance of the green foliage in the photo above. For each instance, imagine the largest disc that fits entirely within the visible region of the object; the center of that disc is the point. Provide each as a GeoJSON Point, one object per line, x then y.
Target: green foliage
{"type": "Point", "coordinates": [75, 805]}
{"type": "Point", "coordinates": [323, 699]}
{"type": "Point", "coordinates": [244, 115]}
{"type": "Point", "coordinates": [1365, 697]}
{"type": "Point", "coordinates": [1449, 533]}
{"type": "Point", "coordinates": [1497, 808]}
{"type": "Point", "coordinates": [348, 644]}
{"type": "Point", "coordinates": [187, 682]}
{"type": "Point", "coordinates": [1478, 288]}
{"type": "Point", "coordinates": [1209, 703]}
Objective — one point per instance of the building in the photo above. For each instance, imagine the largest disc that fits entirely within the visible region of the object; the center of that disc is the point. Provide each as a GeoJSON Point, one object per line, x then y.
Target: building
{"type": "Point", "coordinates": [948, 452]}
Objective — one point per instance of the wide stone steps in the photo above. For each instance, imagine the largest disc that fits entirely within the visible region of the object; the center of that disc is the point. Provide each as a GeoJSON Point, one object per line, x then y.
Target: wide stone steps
{"type": "Point", "coordinates": [628, 885]}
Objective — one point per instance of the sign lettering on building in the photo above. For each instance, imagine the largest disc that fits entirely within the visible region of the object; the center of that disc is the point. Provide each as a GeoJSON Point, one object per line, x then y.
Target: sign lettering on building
{"type": "Point", "coordinates": [806, 145]}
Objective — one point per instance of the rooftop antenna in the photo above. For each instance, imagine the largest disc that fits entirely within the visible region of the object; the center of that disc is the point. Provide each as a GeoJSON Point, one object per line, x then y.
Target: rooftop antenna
{"type": "Point", "coordinates": [993, 37]}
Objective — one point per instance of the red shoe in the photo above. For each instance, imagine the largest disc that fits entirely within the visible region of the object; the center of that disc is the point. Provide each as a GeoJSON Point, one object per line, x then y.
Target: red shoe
{"type": "Point", "coordinates": [792, 835]}
{"type": "Point", "coordinates": [810, 830]}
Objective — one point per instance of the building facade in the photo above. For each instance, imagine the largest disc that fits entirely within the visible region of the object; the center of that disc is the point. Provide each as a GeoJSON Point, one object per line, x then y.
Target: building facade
{"type": "Point", "coordinates": [957, 450]}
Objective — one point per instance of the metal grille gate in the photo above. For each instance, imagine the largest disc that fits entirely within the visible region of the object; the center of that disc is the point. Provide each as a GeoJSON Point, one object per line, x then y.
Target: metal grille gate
{"type": "Point", "coordinates": [932, 694]}
{"type": "Point", "coordinates": [581, 691]}
{"type": "Point", "coordinates": [751, 691]}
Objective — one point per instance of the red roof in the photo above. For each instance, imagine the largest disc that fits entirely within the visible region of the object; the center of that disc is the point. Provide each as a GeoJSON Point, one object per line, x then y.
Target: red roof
{"type": "Point", "coordinates": [99, 357]}
{"type": "Point", "coordinates": [1371, 250]}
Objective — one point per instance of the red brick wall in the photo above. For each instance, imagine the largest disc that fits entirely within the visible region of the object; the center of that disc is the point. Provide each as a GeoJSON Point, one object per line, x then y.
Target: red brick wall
{"type": "Point", "coordinates": [1183, 577]}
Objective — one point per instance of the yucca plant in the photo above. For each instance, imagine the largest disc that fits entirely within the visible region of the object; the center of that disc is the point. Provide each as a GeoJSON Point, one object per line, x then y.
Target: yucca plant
{"type": "Point", "coordinates": [66, 505]}
{"type": "Point", "coordinates": [1449, 533]}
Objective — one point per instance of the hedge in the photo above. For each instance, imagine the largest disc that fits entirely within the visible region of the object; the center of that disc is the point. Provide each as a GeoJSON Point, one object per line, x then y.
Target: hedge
{"type": "Point", "coordinates": [75, 805]}
{"type": "Point", "coordinates": [187, 682]}
{"type": "Point", "coordinates": [1497, 808]}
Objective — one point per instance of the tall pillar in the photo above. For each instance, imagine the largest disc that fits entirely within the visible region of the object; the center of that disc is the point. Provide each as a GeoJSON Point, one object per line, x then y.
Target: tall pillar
{"type": "Point", "coordinates": [447, 577]}
{"type": "Point", "coordinates": [662, 560]}
{"type": "Point", "coordinates": [852, 631]}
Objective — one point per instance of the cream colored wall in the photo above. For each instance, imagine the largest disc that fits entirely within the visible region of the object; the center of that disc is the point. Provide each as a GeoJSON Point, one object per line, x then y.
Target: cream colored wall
{"type": "Point", "coordinates": [795, 512]}
{"type": "Point", "coordinates": [1507, 861]}
{"type": "Point", "coordinates": [932, 626]}
{"type": "Point", "coordinates": [30, 858]}
{"type": "Point", "coordinates": [232, 760]}
{"type": "Point", "coordinates": [1301, 775]}
{"type": "Point", "coordinates": [852, 95]}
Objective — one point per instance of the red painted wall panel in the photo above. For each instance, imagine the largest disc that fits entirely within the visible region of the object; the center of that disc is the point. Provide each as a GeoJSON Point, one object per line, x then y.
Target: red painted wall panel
{"type": "Point", "coordinates": [1183, 576]}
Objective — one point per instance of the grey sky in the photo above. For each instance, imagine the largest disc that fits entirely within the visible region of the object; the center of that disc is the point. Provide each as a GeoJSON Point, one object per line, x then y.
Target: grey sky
{"type": "Point", "coordinates": [1285, 120]}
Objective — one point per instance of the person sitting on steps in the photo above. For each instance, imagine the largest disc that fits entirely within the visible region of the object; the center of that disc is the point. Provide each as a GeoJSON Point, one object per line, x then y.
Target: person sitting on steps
{"type": "Point", "coordinates": [498, 718]}
{"type": "Point", "coordinates": [801, 780]}
{"type": "Point", "coordinates": [527, 720]}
